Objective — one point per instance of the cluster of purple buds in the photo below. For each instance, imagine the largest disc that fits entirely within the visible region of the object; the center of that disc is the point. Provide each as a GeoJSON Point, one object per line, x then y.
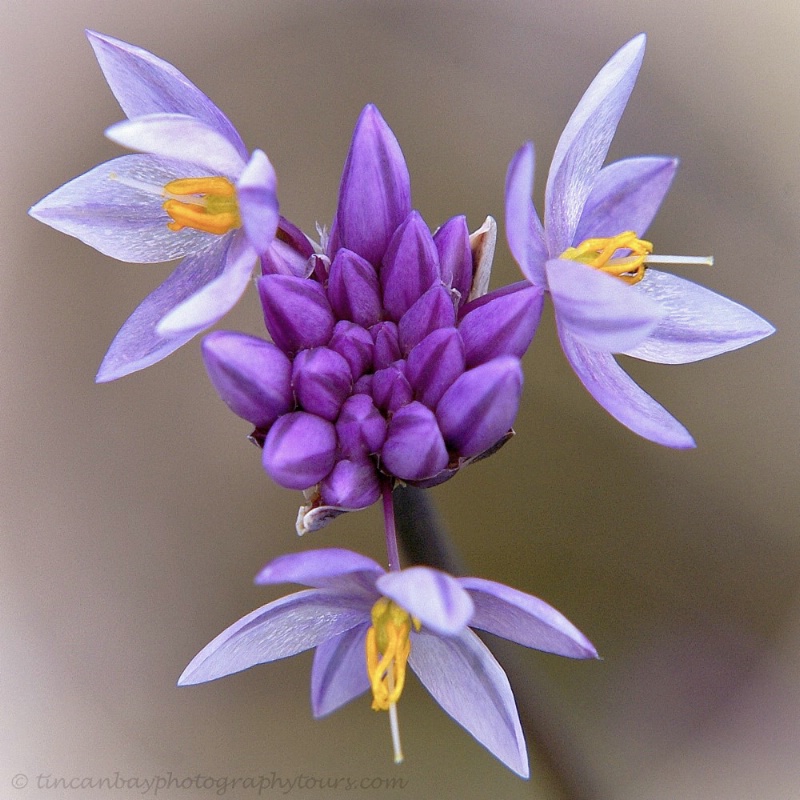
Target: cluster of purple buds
{"type": "Point", "coordinates": [389, 360]}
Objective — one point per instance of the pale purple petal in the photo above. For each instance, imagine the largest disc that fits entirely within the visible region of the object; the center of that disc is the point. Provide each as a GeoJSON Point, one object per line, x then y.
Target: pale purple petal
{"type": "Point", "coordinates": [467, 682]}
{"type": "Point", "coordinates": [523, 228]}
{"type": "Point", "coordinates": [608, 383]}
{"type": "Point", "coordinates": [435, 598]}
{"type": "Point", "coordinates": [179, 137]}
{"type": "Point", "coordinates": [280, 629]}
{"type": "Point", "coordinates": [218, 296]}
{"type": "Point", "coordinates": [584, 144]}
{"type": "Point", "coordinates": [604, 312]}
{"type": "Point", "coordinates": [137, 345]}
{"type": "Point", "coordinates": [375, 193]}
{"type": "Point", "coordinates": [524, 619]}
{"type": "Point", "coordinates": [258, 201]}
{"type": "Point", "coordinates": [144, 84]}
{"type": "Point", "coordinates": [698, 323]}
{"type": "Point", "coordinates": [626, 196]}
{"type": "Point", "coordinates": [118, 208]}
{"type": "Point", "coordinates": [339, 672]}
{"type": "Point", "coordinates": [327, 568]}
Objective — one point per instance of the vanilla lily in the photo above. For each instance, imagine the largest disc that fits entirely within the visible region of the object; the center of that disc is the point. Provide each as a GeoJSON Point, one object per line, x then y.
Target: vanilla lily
{"type": "Point", "coordinates": [369, 625]}
{"type": "Point", "coordinates": [590, 257]}
{"type": "Point", "coordinates": [192, 192]}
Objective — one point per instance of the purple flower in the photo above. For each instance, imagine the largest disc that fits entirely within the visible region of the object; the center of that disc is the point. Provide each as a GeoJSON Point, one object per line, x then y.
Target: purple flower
{"type": "Point", "coordinates": [191, 193]}
{"type": "Point", "coordinates": [403, 367]}
{"type": "Point", "coordinates": [593, 219]}
{"type": "Point", "coordinates": [367, 624]}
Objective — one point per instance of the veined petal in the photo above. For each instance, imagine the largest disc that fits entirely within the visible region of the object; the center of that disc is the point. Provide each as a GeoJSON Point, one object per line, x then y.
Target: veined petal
{"type": "Point", "coordinates": [144, 84]}
{"type": "Point", "coordinates": [279, 629]}
{"type": "Point", "coordinates": [331, 567]}
{"type": "Point", "coordinates": [467, 682]}
{"type": "Point", "coordinates": [435, 598]}
{"type": "Point", "coordinates": [698, 323]}
{"type": "Point", "coordinates": [626, 196]}
{"type": "Point", "coordinates": [523, 228]}
{"type": "Point", "coordinates": [524, 619]}
{"type": "Point", "coordinates": [258, 201]}
{"type": "Point", "coordinates": [117, 208]}
{"type": "Point", "coordinates": [138, 345]}
{"type": "Point", "coordinates": [180, 137]}
{"type": "Point", "coordinates": [608, 383]}
{"type": "Point", "coordinates": [339, 672]}
{"type": "Point", "coordinates": [602, 311]}
{"type": "Point", "coordinates": [375, 193]}
{"type": "Point", "coordinates": [584, 143]}
{"type": "Point", "coordinates": [218, 296]}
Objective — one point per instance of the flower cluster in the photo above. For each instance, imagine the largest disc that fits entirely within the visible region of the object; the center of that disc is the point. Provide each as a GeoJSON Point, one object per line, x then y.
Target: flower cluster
{"type": "Point", "coordinates": [390, 361]}
{"type": "Point", "coordinates": [388, 358]}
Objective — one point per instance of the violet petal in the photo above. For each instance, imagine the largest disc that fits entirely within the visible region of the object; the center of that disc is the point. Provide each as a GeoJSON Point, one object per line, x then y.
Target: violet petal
{"type": "Point", "coordinates": [387, 344]}
{"type": "Point", "coordinates": [698, 323]}
{"type": "Point", "coordinates": [353, 289]}
{"type": "Point", "coordinates": [608, 383]}
{"type": "Point", "coordinates": [524, 619]}
{"type": "Point", "coordinates": [390, 387]}
{"type": "Point", "coordinates": [300, 450]}
{"type": "Point", "coordinates": [434, 364]}
{"type": "Point", "coordinates": [321, 380]}
{"type": "Point", "coordinates": [480, 407]}
{"type": "Point", "coordinates": [455, 256]}
{"type": "Point", "coordinates": [414, 448]}
{"type": "Point", "coordinates": [253, 377]}
{"type": "Point", "coordinates": [351, 485]}
{"type": "Point", "coordinates": [435, 598]}
{"type": "Point", "coordinates": [325, 568]}
{"type": "Point", "coordinates": [356, 346]}
{"type": "Point", "coordinates": [296, 312]}
{"type": "Point", "coordinates": [339, 671]}
{"type": "Point", "coordinates": [410, 266]}
{"type": "Point", "coordinates": [583, 145]}
{"type": "Point", "coordinates": [360, 428]}
{"type": "Point", "coordinates": [258, 201]}
{"type": "Point", "coordinates": [375, 193]}
{"type": "Point", "coordinates": [467, 682]}
{"type": "Point", "coordinates": [433, 310]}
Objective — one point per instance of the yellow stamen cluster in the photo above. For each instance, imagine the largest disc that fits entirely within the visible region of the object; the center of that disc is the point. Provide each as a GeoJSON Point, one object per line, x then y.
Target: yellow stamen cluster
{"type": "Point", "coordinates": [205, 204]}
{"type": "Point", "coordinates": [599, 253]}
{"type": "Point", "coordinates": [388, 646]}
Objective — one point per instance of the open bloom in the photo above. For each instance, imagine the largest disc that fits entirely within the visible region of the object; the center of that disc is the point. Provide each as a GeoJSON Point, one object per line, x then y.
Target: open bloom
{"type": "Point", "coordinates": [589, 256]}
{"type": "Point", "coordinates": [367, 625]}
{"type": "Point", "coordinates": [192, 193]}
{"type": "Point", "coordinates": [389, 359]}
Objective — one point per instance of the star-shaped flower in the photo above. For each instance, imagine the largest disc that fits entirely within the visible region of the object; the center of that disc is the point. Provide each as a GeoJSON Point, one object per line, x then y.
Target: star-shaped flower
{"type": "Point", "coordinates": [192, 193]}
{"type": "Point", "coordinates": [366, 624]}
{"type": "Point", "coordinates": [594, 218]}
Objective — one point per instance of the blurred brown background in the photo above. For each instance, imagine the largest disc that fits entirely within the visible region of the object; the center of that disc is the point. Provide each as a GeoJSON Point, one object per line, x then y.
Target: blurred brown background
{"type": "Point", "coordinates": [134, 515]}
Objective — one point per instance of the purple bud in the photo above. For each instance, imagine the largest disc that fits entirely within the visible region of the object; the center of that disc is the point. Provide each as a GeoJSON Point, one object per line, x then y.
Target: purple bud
{"type": "Point", "coordinates": [296, 312]}
{"type": "Point", "coordinates": [390, 388]}
{"type": "Point", "coordinates": [252, 376]}
{"type": "Point", "coordinates": [361, 428]}
{"type": "Point", "coordinates": [501, 323]}
{"type": "Point", "coordinates": [480, 407]}
{"type": "Point", "coordinates": [355, 344]}
{"type": "Point", "coordinates": [322, 381]}
{"type": "Point", "coordinates": [387, 344]}
{"type": "Point", "coordinates": [433, 310]}
{"type": "Point", "coordinates": [375, 193]}
{"type": "Point", "coordinates": [414, 448]}
{"type": "Point", "coordinates": [300, 450]}
{"type": "Point", "coordinates": [434, 364]}
{"type": "Point", "coordinates": [455, 255]}
{"type": "Point", "coordinates": [363, 385]}
{"type": "Point", "coordinates": [289, 252]}
{"type": "Point", "coordinates": [351, 485]}
{"type": "Point", "coordinates": [410, 266]}
{"type": "Point", "coordinates": [353, 289]}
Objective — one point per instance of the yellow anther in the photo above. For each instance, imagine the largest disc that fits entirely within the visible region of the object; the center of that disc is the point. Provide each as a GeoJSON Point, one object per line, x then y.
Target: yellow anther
{"type": "Point", "coordinates": [205, 204]}
{"type": "Point", "coordinates": [600, 254]}
{"type": "Point", "coordinates": [388, 646]}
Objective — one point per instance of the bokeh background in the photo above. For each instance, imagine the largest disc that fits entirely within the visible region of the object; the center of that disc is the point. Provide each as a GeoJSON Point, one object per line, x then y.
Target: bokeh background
{"type": "Point", "coordinates": [134, 515]}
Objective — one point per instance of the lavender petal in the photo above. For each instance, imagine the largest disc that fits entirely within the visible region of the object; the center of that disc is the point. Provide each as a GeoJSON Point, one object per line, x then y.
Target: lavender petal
{"type": "Point", "coordinates": [339, 672]}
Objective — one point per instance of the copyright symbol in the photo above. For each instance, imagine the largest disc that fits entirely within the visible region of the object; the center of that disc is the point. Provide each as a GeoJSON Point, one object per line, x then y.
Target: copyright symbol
{"type": "Point", "coordinates": [19, 781]}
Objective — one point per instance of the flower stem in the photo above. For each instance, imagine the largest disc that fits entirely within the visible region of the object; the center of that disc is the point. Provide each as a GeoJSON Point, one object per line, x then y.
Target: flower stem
{"type": "Point", "coordinates": [389, 527]}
